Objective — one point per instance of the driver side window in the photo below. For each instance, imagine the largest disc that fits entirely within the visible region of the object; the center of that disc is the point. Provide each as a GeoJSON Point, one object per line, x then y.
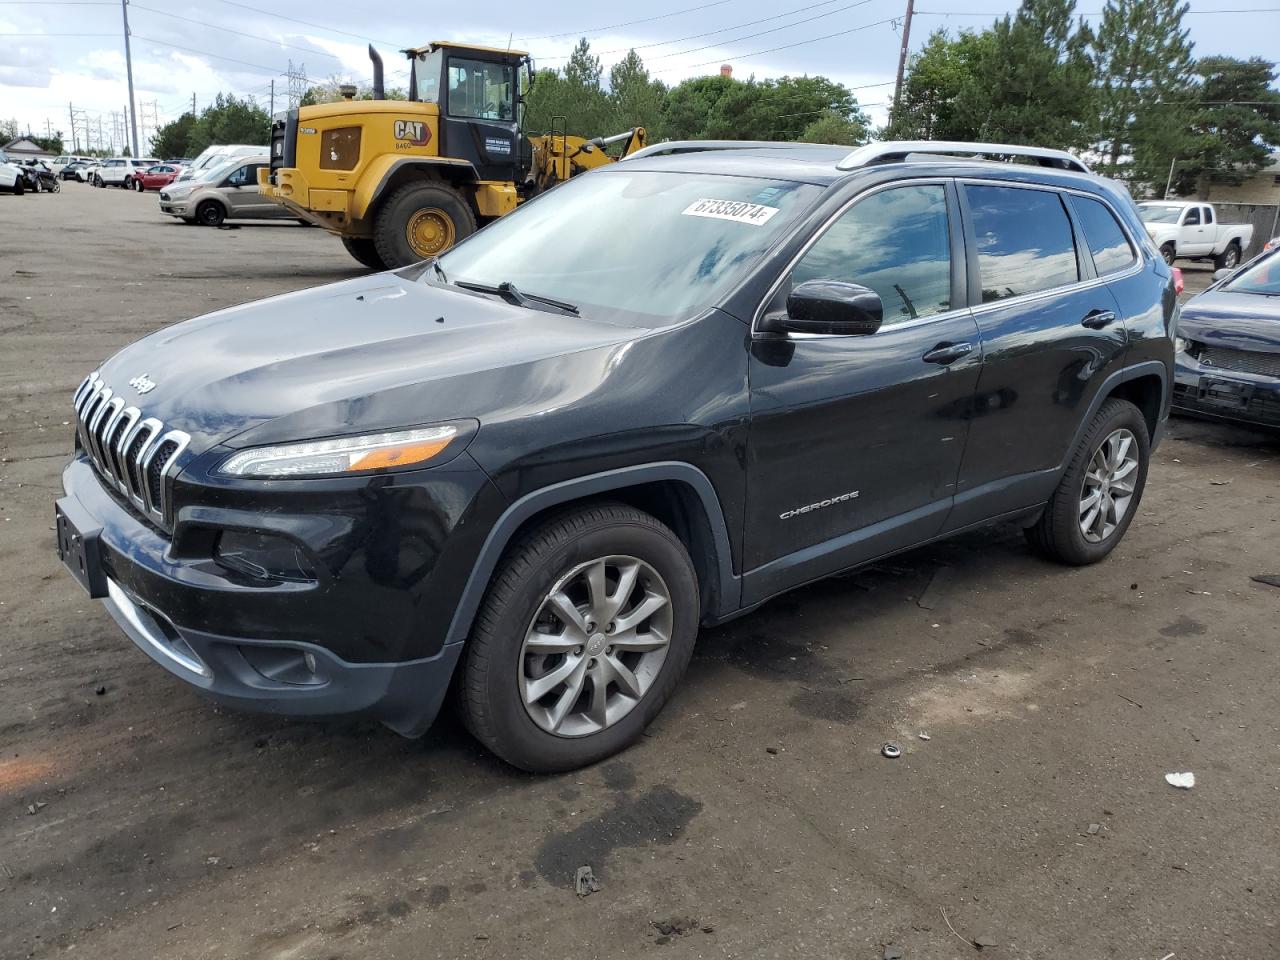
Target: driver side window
{"type": "Point", "coordinates": [1193, 218]}
{"type": "Point", "coordinates": [897, 243]}
{"type": "Point", "coordinates": [238, 178]}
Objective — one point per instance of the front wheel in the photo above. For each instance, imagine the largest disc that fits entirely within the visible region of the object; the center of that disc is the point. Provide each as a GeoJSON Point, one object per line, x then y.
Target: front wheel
{"type": "Point", "coordinates": [365, 251]}
{"type": "Point", "coordinates": [584, 634]}
{"type": "Point", "coordinates": [419, 221]}
{"type": "Point", "coordinates": [210, 213]}
{"type": "Point", "coordinates": [1100, 491]}
{"type": "Point", "coordinates": [138, 185]}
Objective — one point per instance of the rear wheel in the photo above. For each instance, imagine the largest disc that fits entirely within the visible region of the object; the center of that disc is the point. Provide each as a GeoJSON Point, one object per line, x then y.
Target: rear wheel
{"type": "Point", "coordinates": [364, 250]}
{"type": "Point", "coordinates": [1228, 258]}
{"type": "Point", "coordinates": [585, 632]}
{"type": "Point", "coordinates": [210, 213]}
{"type": "Point", "coordinates": [1167, 252]}
{"type": "Point", "coordinates": [1100, 491]}
{"type": "Point", "coordinates": [419, 221]}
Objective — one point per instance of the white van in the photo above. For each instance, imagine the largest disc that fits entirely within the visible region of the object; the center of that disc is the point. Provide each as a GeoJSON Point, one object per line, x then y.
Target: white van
{"type": "Point", "coordinates": [217, 154]}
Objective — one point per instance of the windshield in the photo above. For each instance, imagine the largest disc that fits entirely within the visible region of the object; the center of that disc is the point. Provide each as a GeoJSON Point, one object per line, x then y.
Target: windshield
{"type": "Point", "coordinates": [1261, 278]}
{"type": "Point", "coordinates": [635, 247]}
{"type": "Point", "coordinates": [1159, 212]}
{"type": "Point", "coordinates": [426, 70]}
{"type": "Point", "coordinates": [481, 90]}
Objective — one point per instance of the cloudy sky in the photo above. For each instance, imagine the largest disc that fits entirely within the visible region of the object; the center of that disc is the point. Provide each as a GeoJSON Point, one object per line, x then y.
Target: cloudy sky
{"type": "Point", "coordinates": [60, 52]}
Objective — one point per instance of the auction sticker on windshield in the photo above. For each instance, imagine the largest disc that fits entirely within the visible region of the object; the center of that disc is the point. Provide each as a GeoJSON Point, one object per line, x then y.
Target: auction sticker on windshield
{"type": "Point", "coordinates": [756, 214]}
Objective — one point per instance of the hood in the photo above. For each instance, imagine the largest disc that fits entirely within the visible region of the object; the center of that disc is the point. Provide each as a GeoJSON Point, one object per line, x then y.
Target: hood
{"type": "Point", "coordinates": [320, 360]}
{"type": "Point", "coordinates": [1242, 321]}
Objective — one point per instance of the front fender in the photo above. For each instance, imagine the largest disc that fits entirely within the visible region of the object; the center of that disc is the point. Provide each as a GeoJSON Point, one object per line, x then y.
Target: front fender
{"type": "Point", "coordinates": [380, 171]}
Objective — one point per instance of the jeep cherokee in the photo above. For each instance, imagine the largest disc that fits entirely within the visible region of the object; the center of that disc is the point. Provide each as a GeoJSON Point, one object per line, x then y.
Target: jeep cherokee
{"type": "Point", "coordinates": [652, 398]}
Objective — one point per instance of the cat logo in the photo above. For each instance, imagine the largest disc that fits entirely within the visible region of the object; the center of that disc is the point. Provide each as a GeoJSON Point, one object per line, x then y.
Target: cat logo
{"type": "Point", "coordinates": [414, 132]}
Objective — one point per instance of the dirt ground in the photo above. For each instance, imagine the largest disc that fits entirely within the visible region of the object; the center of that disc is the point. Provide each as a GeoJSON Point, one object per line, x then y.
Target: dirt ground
{"type": "Point", "coordinates": [756, 819]}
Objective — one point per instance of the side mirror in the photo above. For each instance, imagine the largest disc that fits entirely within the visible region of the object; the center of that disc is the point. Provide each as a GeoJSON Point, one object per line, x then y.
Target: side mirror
{"type": "Point", "coordinates": [831, 307]}
{"type": "Point", "coordinates": [1222, 274]}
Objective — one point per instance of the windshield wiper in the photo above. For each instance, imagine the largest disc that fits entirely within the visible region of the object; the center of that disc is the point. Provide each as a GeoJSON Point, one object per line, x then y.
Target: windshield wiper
{"type": "Point", "coordinates": [511, 294]}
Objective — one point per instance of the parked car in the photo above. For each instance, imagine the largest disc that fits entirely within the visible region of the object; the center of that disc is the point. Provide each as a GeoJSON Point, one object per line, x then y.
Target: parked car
{"type": "Point", "coordinates": [40, 177]}
{"type": "Point", "coordinates": [60, 164]}
{"type": "Point", "coordinates": [87, 173]}
{"type": "Point", "coordinates": [1271, 244]}
{"type": "Point", "coordinates": [219, 155]}
{"type": "Point", "coordinates": [653, 397]}
{"type": "Point", "coordinates": [1228, 361]}
{"type": "Point", "coordinates": [120, 171]}
{"type": "Point", "coordinates": [11, 176]}
{"type": "Point", "coordinates": [153, 178]}
{"type": "Point", "coordinates": [229, 192]}
{"type": "Point", "coordinates": [70, 170]}
{"type": "Point", "coordinates": [1193, 231]}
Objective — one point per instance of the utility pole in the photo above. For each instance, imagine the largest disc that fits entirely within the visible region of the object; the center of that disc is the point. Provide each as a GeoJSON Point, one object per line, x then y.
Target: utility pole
{"type": "Point", "coordinates": [272, 111]}
{"type": "Point", "coordinates": [128, 63]}
{"type": "Point", "coordinates": [193, 104]}
{"type": "Point", "coordinates": [902, 55]}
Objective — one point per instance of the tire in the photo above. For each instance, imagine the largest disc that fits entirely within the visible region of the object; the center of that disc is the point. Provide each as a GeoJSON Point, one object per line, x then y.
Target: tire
{"type": "Point", "coordinates": [364, 250]}
{"type": "Point", "coordinates": [496, 673]}
{"type": "Point", "coordinates": [19, 188]}
{"type": "Point", "coordinates": [97, 181]}
{"type": "Point", "coordinates": [1168, 253]}
{"type": "Point", "coordinates": [128, 183]}
{"type": "Point", "coordinates": [437, 213]}
{"type": "Point", "coordinates": [137, 185]}
{"type": "Point", "coordinates": [1229, 258]}
{"type": "Point", "coordinates": [1059, 534]}
{"type": "Point", "coordinates": [57, 186]}
{"type": "Point", "coordinates": [210, 214]}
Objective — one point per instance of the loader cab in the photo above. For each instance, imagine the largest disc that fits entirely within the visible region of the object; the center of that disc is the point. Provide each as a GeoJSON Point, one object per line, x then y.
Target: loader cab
{"type": "Point", "coordinates": [478, 92]}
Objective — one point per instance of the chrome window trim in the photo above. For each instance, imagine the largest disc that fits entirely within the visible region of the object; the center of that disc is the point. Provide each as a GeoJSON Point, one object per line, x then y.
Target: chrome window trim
{"type": "Point", "coordinates": [818, 234]}
{"type": "Point", "coordinates": [1134, 268]}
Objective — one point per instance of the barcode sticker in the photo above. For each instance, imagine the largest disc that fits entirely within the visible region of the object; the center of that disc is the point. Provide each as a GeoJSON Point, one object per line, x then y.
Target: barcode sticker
{"type": "Point", "coordinates": [756, 214]}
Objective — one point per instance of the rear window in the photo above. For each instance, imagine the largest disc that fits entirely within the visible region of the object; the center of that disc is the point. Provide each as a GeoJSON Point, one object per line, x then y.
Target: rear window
{"type": "Point", "coordinates": [1025, 243]}
{"type": "Point", "coordinates": [1107, 241]}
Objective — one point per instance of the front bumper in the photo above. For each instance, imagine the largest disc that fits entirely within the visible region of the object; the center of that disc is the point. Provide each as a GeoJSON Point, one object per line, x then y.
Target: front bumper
{"type": "Point", "coordinates": [357, 640]}
{"type": "Point", "coordinates": [1221, 394]}
{"type": "Point", "coordinates": [175, 208]}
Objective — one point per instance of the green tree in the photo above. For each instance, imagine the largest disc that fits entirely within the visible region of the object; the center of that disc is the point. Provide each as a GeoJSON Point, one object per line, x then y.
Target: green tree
{"type": "Point", "coordinates": [1036, 79]}
{"type": "Point", "coordinates": [330, 92]}
{"type": "Point", "coordinates": [1235, 126]}
{"type": "Point", "coordinates": [637, 98]}
{"type": "Point", "coordinates": [174, 138]}
{"type": "Point", "coordinates": [938, 90]}
{"type": "Point", "coordinates": [691, 103]}
{"type": "Point", "coordinates": [833, 127]}
{"type": "Point", "coordinates": [230, 120]}
{"type": "Point", "coordinates": [1143, 67]}
{"type": "Point", "coordinates": [574, 93]}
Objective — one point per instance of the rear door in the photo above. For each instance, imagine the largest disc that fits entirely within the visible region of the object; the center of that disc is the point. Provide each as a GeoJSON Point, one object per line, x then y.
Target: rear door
{"type": "Point", "coordinates": [855, 441]}
{"type": "Point", "coordinates": [1051, 334]}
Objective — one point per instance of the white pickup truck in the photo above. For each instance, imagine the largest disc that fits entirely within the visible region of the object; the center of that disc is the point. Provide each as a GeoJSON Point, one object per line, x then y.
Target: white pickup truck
{"type": "Point", "coordinates": [1191, 230]}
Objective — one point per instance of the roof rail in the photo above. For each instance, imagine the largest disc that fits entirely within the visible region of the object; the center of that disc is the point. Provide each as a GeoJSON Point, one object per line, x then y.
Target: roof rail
{"type": "Point", "coordinates": [898, 150]}
{"type": "Point", "coordinates": [670, 147]}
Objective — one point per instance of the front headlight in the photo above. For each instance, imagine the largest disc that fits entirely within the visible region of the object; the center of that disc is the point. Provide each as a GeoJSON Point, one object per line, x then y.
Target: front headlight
{"type": "Point", "coordinates": [342, 455]}
{"type": "Point", "coordinates": [1180, 345]}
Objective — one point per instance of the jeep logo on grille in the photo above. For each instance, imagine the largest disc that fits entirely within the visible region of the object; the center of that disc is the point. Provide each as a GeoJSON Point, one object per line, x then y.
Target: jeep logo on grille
{"type": "Point", "coordinates": [142, 383]}
{"type": "Point", "coordinates": [415, 132]}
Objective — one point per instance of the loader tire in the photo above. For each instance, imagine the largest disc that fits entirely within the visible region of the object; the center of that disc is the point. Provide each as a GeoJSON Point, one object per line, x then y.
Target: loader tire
{"type": "Point", "coordinates": [364, 250]}
{"type": "Point", "coordinates": [419, 221]}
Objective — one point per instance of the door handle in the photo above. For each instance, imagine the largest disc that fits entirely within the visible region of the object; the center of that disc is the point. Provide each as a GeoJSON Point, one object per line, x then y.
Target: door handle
{"type": "Point", "coordinates": [945, 353]}
{"type": "Point", "coordinates": [1097, 319]}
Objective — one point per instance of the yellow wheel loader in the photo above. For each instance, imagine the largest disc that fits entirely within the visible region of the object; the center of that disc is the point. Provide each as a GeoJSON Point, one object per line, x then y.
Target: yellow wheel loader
{"type": "Point", "coordinates": [403, 180]}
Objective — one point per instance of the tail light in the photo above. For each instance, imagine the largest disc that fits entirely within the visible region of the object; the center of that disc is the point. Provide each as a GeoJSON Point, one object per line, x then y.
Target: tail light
{"type": "Point", "coordinates": [1178, 285]}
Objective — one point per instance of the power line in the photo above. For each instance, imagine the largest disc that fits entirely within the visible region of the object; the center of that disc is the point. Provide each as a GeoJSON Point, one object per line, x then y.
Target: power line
{"type": "Point", "coordinates": [785, 46]}
{"type": "Point", "coordinates": [969, 13]}
{"type": "Point", "coordinates": [749, 23]}
{"type": "Point", "coordinates": [309, 23]}
{"type": "Point", "coordinates": [239, 33]}
{"type": "Point", "coordinates": [629, 23]}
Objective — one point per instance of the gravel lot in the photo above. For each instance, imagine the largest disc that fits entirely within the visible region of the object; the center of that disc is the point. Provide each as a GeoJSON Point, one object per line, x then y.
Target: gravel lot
{"type": "Point", "coordinates": [137, 820]}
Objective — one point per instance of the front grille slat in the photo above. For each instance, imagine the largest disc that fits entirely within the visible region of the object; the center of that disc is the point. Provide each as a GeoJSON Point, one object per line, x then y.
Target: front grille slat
{"type": "Point", "coordinates": [135, 455]}
{"type": "Point", "coordinates": [1241, 361]}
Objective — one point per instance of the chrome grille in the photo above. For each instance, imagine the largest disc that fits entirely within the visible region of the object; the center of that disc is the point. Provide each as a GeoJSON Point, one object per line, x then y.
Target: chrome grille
{"type": "Point", "coordinates": [134, 454]}
{"type": "Point", "coordinates": [1241, 361]}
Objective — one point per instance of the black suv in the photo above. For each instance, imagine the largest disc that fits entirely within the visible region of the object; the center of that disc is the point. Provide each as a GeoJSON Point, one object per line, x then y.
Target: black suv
{"type": "Point", "coordinates": [652, 398]}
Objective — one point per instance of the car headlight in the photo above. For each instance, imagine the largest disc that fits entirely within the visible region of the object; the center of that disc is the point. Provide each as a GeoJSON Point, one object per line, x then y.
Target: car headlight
{"type": "Point", "coordinates": [342, 455]}
{"type": "Point", "coordinates": [1180, 345]}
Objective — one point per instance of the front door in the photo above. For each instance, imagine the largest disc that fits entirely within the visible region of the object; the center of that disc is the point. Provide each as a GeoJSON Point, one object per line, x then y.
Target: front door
{"type": "Point", "coordinates": [478, 117]}
{"type": "Point", "coordinates": [855, 441]}
{"type": "Point", "coordinates": [1196, 237]}
{"type": "Point", "coordinates": [1052, 332]}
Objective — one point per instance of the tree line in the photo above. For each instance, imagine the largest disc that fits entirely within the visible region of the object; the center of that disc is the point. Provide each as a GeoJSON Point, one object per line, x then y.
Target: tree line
{"type": "Point", "coordinates": [229, 119]}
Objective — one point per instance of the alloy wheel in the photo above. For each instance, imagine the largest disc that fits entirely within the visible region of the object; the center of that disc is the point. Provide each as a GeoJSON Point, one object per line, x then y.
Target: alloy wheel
{"type": "Point", "coordinates": [1108, 486]}
{"type": "Point", "coordinates": [1232, 257]}
{"type": "Point", "coordinates": [595, 646]}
